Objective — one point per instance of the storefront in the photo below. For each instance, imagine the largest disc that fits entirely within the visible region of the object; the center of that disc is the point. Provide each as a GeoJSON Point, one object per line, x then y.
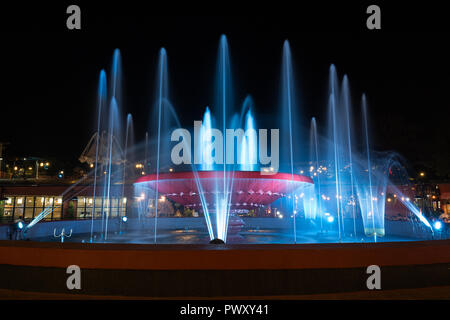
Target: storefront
{"type": "Point", "coordinates": [60, 202]}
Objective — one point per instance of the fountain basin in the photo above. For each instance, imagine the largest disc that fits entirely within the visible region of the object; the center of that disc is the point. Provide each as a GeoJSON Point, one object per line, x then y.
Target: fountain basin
{"type": "Point", "coordinates": [221, 271]}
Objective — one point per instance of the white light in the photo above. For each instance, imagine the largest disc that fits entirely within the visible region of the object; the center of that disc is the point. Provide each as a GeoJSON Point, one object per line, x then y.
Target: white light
{"type": "Point", "coordinates": [330, 219]}
{"type": "Point", "coordinates": [20, 225]}
{"type": "Point", "coordinates": [438, 225]}
{"type": "Point", "coordinates": [124, 219]}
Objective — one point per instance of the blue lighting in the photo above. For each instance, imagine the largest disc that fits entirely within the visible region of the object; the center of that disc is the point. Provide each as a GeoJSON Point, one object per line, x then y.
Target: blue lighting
{"type": "Point", "coordinates": [438, 225]}
{"type": "Point", "coordinates": [124, 219]}
{"type": "Point", "coordinates": [20, 225]}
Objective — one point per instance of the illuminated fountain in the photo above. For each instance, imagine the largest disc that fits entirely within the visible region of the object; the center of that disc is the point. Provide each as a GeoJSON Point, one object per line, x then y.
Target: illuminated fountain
{"type": "Point", "coordinates": [222, 181]}
{"type": "Point", "coordinates": [339, 195]}
{"type": "Point", "coordinates": [225, 178]}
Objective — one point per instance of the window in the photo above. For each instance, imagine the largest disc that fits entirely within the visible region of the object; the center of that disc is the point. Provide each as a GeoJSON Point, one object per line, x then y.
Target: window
{"type": "Point", "coordinates": [29, 207]}
{"type": "Point", "coordinates": [8, 206]}
{"type": "Point", "coordinates": [19, 207]}
{"type": "Point", "coordinates": [56, 213]}
{"type": "Point", "coordinates": [39, 201]}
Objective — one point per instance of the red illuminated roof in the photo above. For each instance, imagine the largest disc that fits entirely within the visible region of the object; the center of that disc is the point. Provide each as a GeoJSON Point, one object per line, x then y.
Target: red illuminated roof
{"type": "Point", "coordinates": [250, 189]}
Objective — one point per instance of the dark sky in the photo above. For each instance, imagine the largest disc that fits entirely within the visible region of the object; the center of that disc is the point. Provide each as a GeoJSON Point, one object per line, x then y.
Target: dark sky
{"type": "Point", "coordinates": [50, 74]}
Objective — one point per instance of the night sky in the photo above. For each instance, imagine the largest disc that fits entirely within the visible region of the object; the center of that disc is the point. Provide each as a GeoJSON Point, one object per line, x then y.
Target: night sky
{"type": "Point", "coordinates": [50, 74]}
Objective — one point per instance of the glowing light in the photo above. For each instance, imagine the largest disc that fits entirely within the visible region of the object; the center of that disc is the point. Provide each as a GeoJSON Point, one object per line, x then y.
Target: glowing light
{"type": "Point", "coordinates": [124, 200]}
{"type": "Point", "coordinates": [170, 169]}
{"type": "Point", "coordinates": [422, 174]}
{"type": "Point", "coordinates": [91, 165]}
{"type": "Point", "coordinates": [19, 200]}
{"type": "Point", "coordinates": [124, 218]}
{"type": "Point", "coordinates": [20, 225]}
{"type": "Point", "coordinates": [301, 171]}
{"type": "Point", "coordinates": [41, 164]}
{"type": "Point", "coordinates": [15, 168]}
{"type": "Point", "coordinates": [438, 225]}
{"type": "Point", "coordinates": [389, 199]}
{"type": "Point", "coordinates": [330, 219]}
